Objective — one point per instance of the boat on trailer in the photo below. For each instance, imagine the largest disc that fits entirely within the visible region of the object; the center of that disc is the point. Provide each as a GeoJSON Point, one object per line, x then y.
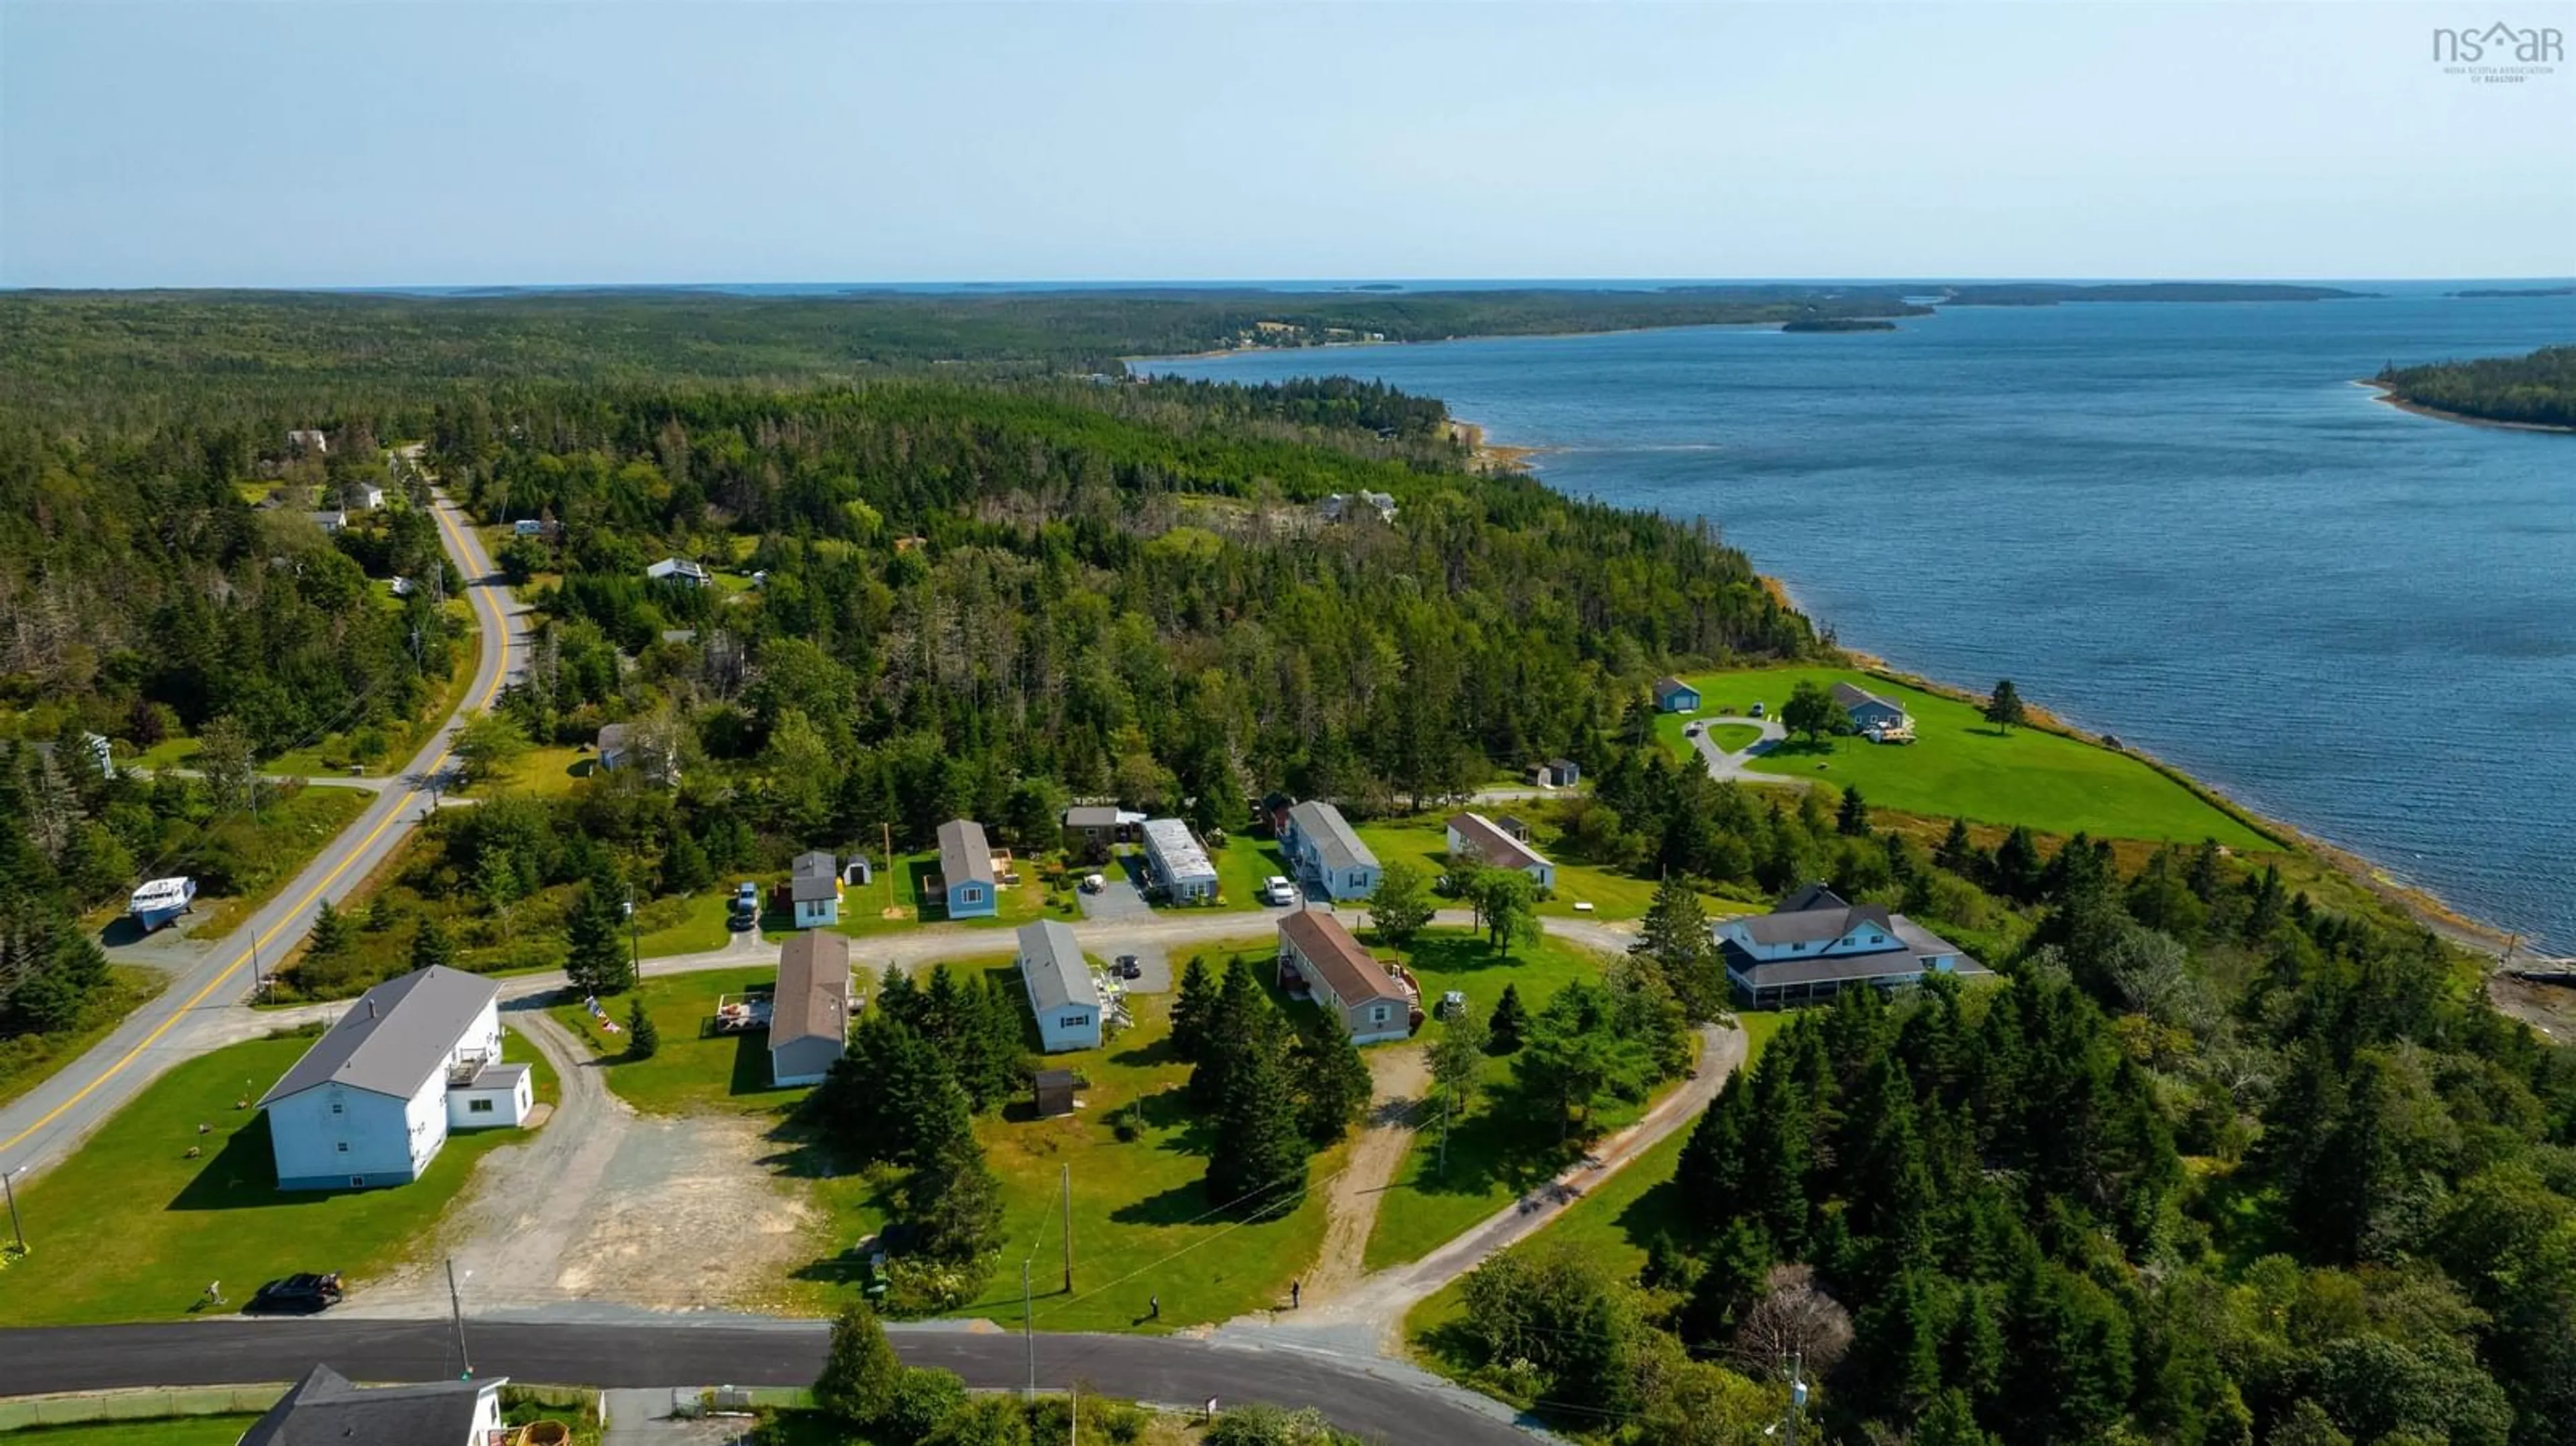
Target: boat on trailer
{"type": "Point", "coordinates": [161, 901]}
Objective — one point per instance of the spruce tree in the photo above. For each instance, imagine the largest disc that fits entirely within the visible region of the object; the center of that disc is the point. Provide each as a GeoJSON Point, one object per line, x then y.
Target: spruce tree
{"type": "Point", "coordinates": [1675, 936]}
{"type": "Point", "coordinates": [1260, 1153]}
{"type": "Point", "coordinates": [331, 936]}
{"type": "Point", "coordinates": [1851, 816]}
{"type": "Point", "coordinates": [899, 997]}
{"type": "Point", "coordinates": [1334, 1085]}
{"type": "Point", "coordinates": [643, 1037]}
{"type": "Point", "coordinates": [1193, 1009]}
{"type": "Point", "coordinates": [860, 1371]}
{"type": "Point", "coordinates": [1958, 852]}
{"type": "Point", "coordinates": [430, 945]}
{"type": "Point", "coordinates": [2005, 708]}
{"type": "Point", "coordinates": [951, 1196]}
{"type": "Point", "coordinates": [596, 961]}
{"type": "Point", "coordinates": [685, 868]}
{"type": "Point", "coordinates": [1510, 1026]}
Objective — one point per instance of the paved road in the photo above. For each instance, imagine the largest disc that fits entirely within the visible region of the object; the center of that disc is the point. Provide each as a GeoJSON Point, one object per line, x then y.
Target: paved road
{"type": "Point", "coordinates": [44, 1125]}
{"type": "Point", "coordinates": [1383, 1402]}
{"type": "Point", "coordinates": [1730, 767]}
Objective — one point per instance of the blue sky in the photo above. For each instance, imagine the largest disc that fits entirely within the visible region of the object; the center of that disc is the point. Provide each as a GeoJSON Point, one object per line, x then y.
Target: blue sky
{"type": "Point", "coordinates": [321, 143]}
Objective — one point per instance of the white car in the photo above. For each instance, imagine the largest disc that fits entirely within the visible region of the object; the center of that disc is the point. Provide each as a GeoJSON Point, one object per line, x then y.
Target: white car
{"type": "Point", "coordinates": [1277, 890]}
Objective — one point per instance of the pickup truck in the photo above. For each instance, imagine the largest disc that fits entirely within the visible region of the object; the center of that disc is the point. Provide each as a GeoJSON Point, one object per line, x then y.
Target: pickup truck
{"type": "Point", "coordinates": [746, 905]}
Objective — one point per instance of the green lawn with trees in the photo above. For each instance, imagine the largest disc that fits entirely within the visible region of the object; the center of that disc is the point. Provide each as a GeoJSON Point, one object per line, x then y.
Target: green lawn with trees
{"type": "Point", "coordinates": [132, 1228]}
{"type": "Point", "coordinates": [1962, 766]}
{"type": "Point", "coordinates": [169, 1431]}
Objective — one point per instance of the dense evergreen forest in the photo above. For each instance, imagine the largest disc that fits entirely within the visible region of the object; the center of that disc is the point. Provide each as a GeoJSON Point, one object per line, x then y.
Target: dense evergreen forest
{"type": "Point", "coordinates": [2536, 390]}
{"type": "Point", "coordinates": [141, 356]}
{"type": "Point", "coordinates": [2213, 1166]}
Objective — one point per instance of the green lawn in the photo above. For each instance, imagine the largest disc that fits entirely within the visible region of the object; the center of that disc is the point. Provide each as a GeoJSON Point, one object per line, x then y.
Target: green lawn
{"type": "Point", "coordinates": [28, 1060]}
{"type": "Point", "coordinates": [1615, 1223]}
{"type": "Point", "coordinates": [271, 849]}
{"type": "Point", "coordinates": [546, 772]}
{"type": "Point", "coordinates": [692, 925]}
{"type": "Point", "coordinates": [139, 1229]}
{"type": "Point", "coordinates": [175, 1431]}
{"type": "Point", "coordinates": [1496, 1152]}
{"type": "Point", "coordinates": [863, 906]}
{"type": "Point", "coordinates": [1962, 766]}
{"type": "Point", "coordinates": [1733, 737]}
{"type": "Point", "coordinates": [1424, 842]}
{"type": "Point", "coordinates": [693, 1071]}
{"type": "Point", "coordinates": [1242, 865]}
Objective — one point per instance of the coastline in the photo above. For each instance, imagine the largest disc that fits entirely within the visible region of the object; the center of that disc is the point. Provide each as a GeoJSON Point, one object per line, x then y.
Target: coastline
{"type": "Point", "coordinates": [2387, 396]}
{"type": "Point", "coordinates": [1487, 456]}
{"type": "Point", "coordinates": [2422, 905]}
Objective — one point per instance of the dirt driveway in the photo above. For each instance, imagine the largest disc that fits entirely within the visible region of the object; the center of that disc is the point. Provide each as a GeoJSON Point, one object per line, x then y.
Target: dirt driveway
{"type": "Point", "coordinates": [607, 1205]}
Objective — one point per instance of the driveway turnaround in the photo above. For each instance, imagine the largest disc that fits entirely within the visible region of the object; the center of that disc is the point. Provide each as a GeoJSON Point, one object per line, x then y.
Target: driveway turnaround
{"type": "Point", "coordinates": [46, 1123]}
{"type": "Point", "coordinates": [1381, 1402]}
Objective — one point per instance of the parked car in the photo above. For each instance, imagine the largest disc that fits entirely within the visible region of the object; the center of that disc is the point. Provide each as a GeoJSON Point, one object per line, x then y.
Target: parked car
{"type": "Point", "coordinates": [746, 904]}
{"type": "Point", "coordinates": [1277, 890]}
{"type": "Point", "coordinates": [297, 1294]}
{"type": "Point", "coordinates": [1757, 710]}
{"type": "Point", "coordinates": [1126, 967]}
{"type": "Point", "coordinates": [1093, 883]}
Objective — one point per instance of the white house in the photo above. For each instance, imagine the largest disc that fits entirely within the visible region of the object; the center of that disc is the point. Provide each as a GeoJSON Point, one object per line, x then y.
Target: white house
{"type": "Point", "coordinates": [365, 497]}
{"type": "Point", "coordinates": [1314, 949]}
{"type": "Point", "coordinates": [527, 527]}
{"type": "Point", "coordinates": [814, 889]}
{"type": "Point", "coordinates": [332, 520]}
{"type": "Point", "coordinates": [1474, 836]}
{"type": "Point", "coordinates": [809, 1013]}
{"type": "Point", "coordinates": [1062, 993]}
{"type": "Point", "coordinates": [1815, 945]}
{"type": "Point", "coordinates": [1328, 853]}
{"type": "Point", "coordinates": [324, 1406]}
{"type": "Point", "coordinates": [309, 440]}
{"type": "Point", "coordinates": [1176, 864]}
{"type": "Point", "coordinates": [373, 1100]}
{"type": "Point", "coordinates": [680, 570]}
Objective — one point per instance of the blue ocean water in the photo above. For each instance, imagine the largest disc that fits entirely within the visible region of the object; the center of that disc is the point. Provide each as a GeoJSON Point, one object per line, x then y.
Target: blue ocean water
{"type": "Point", "coordinates": [2180, 523]}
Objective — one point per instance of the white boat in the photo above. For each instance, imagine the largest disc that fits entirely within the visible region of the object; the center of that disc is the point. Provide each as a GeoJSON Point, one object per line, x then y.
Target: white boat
{"type": "Point", "coordinates": [161, 901]}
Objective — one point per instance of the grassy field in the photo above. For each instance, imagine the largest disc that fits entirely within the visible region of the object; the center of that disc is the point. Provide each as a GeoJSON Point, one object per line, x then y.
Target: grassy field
{"type": "Point", "coordinates": [1733, 737]}
{"type": "Point", "coordinates": [1615, 1223]}
{"type": "Point", "coordinates": [289, 832]}
{"type": "Point", "coordinates": [692, 1072]}
{"type": "Point", "coordinates": [1963, 766]}
{"type": "Point", "coordinates": [863, 905]}
{"type": "Point", "coordinates": [140, 1229]}
{"type": "Point", "coordinates": [1495, 1153]}
{"type": "Point", "coordinates": [175, 1431]}
{"type": "Point", "coordinates": [1424, 842]}
{"type": "Point", "coordinates": [545, 772]}
{"type": "Point", "coordinates": [28, 1060]}
{"type": "Point", "coordinates": [1242, 865]}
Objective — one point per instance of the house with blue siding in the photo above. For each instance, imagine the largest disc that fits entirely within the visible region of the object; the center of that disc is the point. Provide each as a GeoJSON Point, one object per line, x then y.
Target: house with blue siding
{"type": "Point", "coordinates": [1327, 853]}
{"type": "Point", "coordinates": [1672, 695]}
{"type": "Point", "coordinates": [966, 884]}
{"type": "Point", "coordinates": [1062, 993]}
{"type": "Point", "coordinates": [373, 1100]}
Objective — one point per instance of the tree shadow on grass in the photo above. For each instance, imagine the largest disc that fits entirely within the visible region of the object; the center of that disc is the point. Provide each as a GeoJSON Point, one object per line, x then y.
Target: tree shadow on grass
{"type": "Point", "coordinates": [1179, 1205]}
{"type": "Point", "coordinates": [1506, 1146]}
{"type": "Point", "coordinates": [751, 1069]}
{"type": "Point", "coordinates": [1456, 954]}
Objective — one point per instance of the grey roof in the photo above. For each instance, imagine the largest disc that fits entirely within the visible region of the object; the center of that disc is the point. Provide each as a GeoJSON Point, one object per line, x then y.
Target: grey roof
{"type": "Point", "coordinates": [324, 1407]}
{"type": "Point", "coordinates": [1816, 914]}
{"type": "Point", "coordinates": [612, 738]}
{"type": "Point", "coordinates": [1852, 697]}
{"type": "Point", "coordinates": [1051, 962]}
{"type": "Point", "coordinates": [813, 998]}
{"type": "Point", "coordinates": [1492, 844]}
{"type": "Point", "coordinates": [1176, 852]}
{"type": "Point", "coordinates": [1815, 926]}
{"type": "Point", "coordinates": [814, 877]}
{"type": "Point", "coordinates": [1335, 843]}
{"type": "Point", "coordinates": [1670, 684]}
{"type": "Point", "coordinates": [394, 1036]}
{"type": "Point", "coordinates": [1091, 815]}
{"type": "Point", "coordinates": [498, 1077]}
{"type": "Point", "coordinates": [964, 853]}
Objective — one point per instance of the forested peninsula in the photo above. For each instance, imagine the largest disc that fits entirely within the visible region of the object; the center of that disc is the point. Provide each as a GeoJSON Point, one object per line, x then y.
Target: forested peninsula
{"type": "Point", "coordinates": [2054, 293]}
{"type": "Point", "coordinates": [2537, 391]}
{"type": "Point", "coordinates": [2225, 1151]}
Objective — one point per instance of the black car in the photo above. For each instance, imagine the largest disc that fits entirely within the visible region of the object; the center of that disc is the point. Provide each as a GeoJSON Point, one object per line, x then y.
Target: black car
{"type": "Point", "coordinates": [297, 1294]}
{"type": "Point", "coordinates": [1128, 968]}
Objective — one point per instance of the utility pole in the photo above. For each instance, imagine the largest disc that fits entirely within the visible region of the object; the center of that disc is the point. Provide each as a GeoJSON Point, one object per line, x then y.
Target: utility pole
{"type": "Point", "coordinates": [16, 1231]}
{"type": "Point", "coordinates": [1443, 1168]}
{"type": "Point", "coordinates": [1028, 1330]}
{"type": "Point", "coordinates": [635, 939]}
{"type": "Point", "coordinates": [1068, 1228]}
{"type": "Point", "coordinates": [885, 860]}
{"type": "Point", "coordinates": [456, 1304]}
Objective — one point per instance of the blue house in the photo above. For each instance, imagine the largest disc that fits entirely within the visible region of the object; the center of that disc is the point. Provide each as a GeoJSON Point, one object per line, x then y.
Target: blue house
{"type": "Point", "coordinates": [1327, 853]}
{"type": "Point", "coordinates": [1672, 695]}
{"type": "Point", "coordinates": [966, 882]}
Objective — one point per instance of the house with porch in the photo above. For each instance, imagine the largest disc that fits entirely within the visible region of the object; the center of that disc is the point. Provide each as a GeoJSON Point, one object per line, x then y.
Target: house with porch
{"type": "Point", "coordinates": [809, 1014]}
{"type": "Point", "coordinates": [1062, 993]}
{"type": "Point", "coordinates": [1874, 717]}
{"type": "Point", "coordinates": [1176, 864]}
{"type": "Point", "coordinates": [1315, 951]}
{"type": "Point", "coordinates": [814, 889]}
{"type": "Point", "coordinates": [1816, 944]}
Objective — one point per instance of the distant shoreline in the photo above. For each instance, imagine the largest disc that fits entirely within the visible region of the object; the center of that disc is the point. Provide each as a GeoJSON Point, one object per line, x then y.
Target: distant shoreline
{"type": "Point", "coordinates": [2387, 395]}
